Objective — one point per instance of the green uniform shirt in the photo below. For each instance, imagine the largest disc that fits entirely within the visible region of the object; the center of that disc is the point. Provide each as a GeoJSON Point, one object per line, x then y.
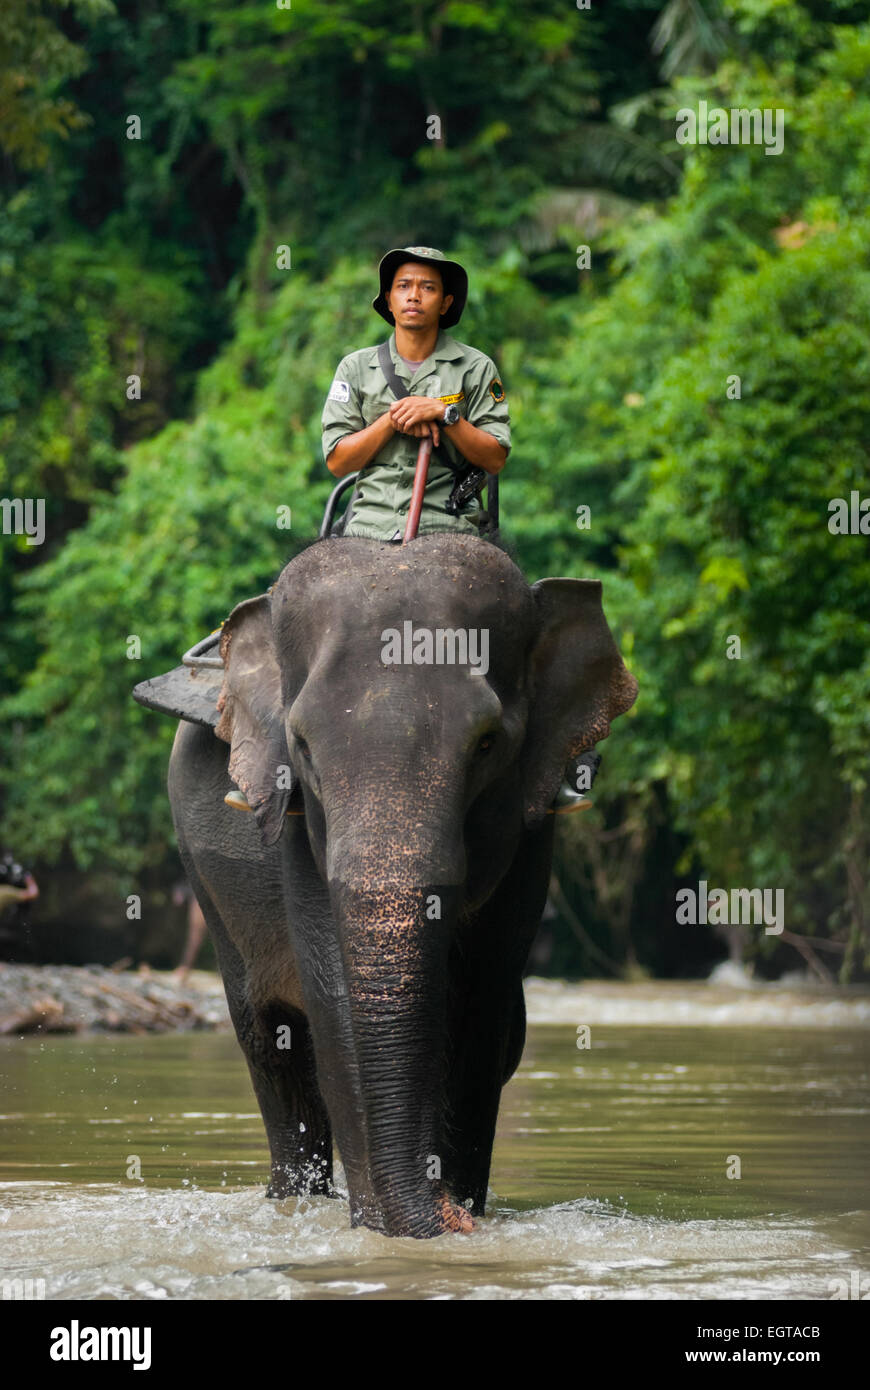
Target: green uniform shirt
{"type": "Point", "coordinates": [359, 395]}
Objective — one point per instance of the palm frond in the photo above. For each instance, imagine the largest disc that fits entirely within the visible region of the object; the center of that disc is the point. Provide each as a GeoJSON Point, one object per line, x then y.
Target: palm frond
{"type": "Point", "coordinates": [691, 35]}
{"type": "Point", "coordinates": [563, 215]}
{"type": "Point", "coordinates": [624, 160]}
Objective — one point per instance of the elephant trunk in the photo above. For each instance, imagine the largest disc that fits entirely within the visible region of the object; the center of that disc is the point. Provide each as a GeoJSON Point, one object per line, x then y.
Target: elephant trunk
{"type": "Point", "coordinates": [394, 940]}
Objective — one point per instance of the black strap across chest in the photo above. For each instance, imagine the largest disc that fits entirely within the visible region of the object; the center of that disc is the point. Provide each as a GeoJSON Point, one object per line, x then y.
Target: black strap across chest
{"type": "Point", "coordinates": [396, 385]}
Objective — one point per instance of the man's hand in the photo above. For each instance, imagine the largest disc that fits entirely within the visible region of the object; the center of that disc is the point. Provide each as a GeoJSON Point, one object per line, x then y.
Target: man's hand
{"type": "Point", "coordinates": [423, 430]}
{"type": "Point", "coordinates": [415, 410]}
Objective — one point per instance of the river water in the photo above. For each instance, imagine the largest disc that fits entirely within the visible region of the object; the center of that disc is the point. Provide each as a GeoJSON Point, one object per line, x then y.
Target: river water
{"type": "Point", "coordinates": [610, 1176]}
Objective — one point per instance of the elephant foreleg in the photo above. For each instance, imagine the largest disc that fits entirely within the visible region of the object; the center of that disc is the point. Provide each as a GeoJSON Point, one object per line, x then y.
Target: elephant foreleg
{"type": "Point", "coordinates": [487, 1037]}
{"type": "Point", "coordinates": [488, 1018]}
{"type": "Point", "coordinates": [276, 1042]}
{"type": "Point", "coordinates": [280, 1057]}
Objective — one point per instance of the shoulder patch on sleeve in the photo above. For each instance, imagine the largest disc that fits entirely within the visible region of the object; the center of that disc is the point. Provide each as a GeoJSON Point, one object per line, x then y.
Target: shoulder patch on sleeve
{"type": "Point", "coordinates": [496, 390]}
{"type": "Point", "coordinates": [339, 391]}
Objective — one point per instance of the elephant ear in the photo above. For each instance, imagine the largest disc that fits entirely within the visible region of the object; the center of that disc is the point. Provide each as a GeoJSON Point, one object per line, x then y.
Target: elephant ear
{"type": "Point", "coordinates": [251, 714]}
{"type": "Point", "coordinates": [578, 685]}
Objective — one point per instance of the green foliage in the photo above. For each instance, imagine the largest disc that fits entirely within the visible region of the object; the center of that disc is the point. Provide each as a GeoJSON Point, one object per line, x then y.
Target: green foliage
{"type": "Point", "coordinates": [716, 510]}
{"type": "Point", "coordinates": [191, 530]}
{"type": "Point", "coordinates": [733, 539]}
{"type": "Point", "coordinates": [36, 58]}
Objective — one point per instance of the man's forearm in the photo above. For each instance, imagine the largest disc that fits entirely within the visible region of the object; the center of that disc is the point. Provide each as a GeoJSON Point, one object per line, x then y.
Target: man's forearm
{"type": "Point", "coordinates": [356, 450]}
{"type": "Point", "coordinates": [480, 448]}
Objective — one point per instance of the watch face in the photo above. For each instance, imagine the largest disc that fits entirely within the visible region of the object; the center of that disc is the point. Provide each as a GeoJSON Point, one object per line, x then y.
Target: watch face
{"type": "Point", "coordinates": [451, 414]}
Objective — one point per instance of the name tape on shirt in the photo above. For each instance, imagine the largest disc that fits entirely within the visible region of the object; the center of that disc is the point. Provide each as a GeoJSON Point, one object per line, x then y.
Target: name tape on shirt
{"type": "Point", "coordinates": [453, 400]}
{"type": "Point", "coordinates": [339, 391]}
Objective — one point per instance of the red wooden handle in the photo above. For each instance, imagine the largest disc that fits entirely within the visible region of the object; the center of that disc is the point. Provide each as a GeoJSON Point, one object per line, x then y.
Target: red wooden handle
{"type": "Point", "coordinates": [424, 453]}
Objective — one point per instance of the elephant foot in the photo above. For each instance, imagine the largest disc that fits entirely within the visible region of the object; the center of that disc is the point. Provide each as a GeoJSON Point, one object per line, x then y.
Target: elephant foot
{"type": "Point", "coordinates": [456, 1218]}
{"type": "Point", "coordinates": [430, 1221]}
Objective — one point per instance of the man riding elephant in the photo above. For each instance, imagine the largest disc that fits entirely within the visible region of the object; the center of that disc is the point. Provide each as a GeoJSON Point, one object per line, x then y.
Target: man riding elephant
{"type": "Point", "coordinates": [422, 383]}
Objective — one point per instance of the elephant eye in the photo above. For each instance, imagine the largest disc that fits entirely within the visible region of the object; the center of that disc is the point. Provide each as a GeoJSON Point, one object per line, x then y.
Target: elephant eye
{"type": "Point", "coordinates": [304, 750]}
{"type": "Point", "coordinates": [485, 743]}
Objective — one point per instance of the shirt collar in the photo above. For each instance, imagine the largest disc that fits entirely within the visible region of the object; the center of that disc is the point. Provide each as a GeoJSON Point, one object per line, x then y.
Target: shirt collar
{"type": "Point", "coordinates": [446, 350]}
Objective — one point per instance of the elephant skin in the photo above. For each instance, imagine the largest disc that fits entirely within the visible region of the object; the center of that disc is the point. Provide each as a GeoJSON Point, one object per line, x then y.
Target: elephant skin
{"type": "Point", "coordinates": [381, 901]}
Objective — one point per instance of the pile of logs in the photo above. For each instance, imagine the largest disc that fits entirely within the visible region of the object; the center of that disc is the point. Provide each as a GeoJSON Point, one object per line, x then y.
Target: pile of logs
{"type": "Point", "coordinates": [75, 999]}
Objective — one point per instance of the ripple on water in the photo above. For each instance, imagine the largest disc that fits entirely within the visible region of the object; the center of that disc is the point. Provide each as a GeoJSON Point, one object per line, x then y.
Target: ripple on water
{"type": "Point", "coordinates": [208, 1245]}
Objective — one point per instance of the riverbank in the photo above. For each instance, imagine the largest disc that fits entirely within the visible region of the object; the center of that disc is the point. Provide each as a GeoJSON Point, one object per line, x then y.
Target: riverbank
{"type": "Point", "coordinates": [722, 1002]}
{"type": "Point", "coordinates": [96, 998]}
{"type": "Point", "coordinates": [79, 999]}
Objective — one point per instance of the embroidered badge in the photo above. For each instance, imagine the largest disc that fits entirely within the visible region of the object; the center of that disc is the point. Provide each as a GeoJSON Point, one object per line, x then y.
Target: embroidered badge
{"type": "Point", "coordinates": [339, 391]}
{"type": "Point", "coordinates": [453, 400]}
{"type": "Point", "coordinates": [496, 390]}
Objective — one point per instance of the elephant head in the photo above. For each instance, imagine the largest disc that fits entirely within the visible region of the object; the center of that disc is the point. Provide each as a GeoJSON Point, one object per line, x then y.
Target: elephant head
{"type": "Point", "coordinates": [419, 779]}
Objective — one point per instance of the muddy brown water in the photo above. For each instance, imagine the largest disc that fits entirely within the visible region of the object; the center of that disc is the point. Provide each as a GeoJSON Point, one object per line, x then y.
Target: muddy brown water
{"type": "Point", "coordinates": [610, 1177]}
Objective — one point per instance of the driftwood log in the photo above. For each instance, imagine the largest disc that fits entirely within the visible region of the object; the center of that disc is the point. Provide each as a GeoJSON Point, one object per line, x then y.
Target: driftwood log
{"type": "Point", "coordinates": [75, 999]}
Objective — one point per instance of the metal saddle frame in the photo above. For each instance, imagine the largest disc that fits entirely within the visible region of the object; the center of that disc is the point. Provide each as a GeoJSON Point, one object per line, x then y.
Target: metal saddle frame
{"type": "Point", "coordinates": [330, 527]}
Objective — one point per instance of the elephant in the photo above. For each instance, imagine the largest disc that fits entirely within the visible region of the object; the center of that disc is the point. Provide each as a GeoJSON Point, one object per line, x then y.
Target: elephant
{"type": "Point", "coordinates": [373, 916]}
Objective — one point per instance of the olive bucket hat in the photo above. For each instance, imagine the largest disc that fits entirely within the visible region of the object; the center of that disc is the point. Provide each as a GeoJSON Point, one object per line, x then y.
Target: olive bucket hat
{"type": "Point", "coordinates": [452, 273]}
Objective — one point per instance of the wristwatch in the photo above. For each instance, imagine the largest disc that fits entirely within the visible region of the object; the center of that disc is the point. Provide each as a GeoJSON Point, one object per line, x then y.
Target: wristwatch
{"type": "Point", "coordinates": [451, 415]}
